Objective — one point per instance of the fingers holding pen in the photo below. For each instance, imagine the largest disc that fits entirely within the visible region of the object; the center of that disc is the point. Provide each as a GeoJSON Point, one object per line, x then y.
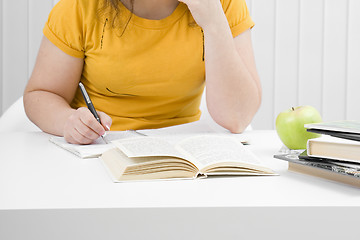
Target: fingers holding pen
{"type": "Point", "coordinates": [106, 120]}
{"type": "Point", "coordinates": [88, 119]}
{"type": "Point", "coordinates": [82, 128]}
{"type": "Point", "coordinates": [76, 137]}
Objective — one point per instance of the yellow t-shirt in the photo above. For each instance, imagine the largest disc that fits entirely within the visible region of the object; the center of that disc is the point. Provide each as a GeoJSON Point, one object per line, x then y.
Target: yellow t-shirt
{"type": "Point", "coordinates": [150, 75]}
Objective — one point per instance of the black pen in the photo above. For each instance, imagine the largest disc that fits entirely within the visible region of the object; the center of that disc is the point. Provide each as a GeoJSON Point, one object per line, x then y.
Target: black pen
{"type": "Point", "coordinates": [90, 105]}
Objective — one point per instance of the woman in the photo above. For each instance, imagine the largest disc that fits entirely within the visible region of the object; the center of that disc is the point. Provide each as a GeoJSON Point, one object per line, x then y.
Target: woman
{"type": "Point", "coordinates": [143, 63]}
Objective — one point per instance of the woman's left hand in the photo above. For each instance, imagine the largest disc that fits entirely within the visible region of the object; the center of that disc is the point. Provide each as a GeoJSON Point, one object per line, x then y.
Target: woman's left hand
{"type": "Point", "coordinates": [206, 13]}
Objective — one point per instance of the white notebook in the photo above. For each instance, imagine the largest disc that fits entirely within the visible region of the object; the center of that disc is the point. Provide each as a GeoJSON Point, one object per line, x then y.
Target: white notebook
{"type": "Point", "coordinates": [96, 148]}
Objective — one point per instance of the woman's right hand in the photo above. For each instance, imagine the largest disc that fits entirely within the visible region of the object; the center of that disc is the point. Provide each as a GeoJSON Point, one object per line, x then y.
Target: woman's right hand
{"type": "Point", "coordinates": [81, 126]}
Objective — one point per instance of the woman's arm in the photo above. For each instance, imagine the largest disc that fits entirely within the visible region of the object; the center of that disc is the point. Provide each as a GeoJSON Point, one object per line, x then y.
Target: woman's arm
{"type": "Point", "coordinates": [233, 89]}
{"type": "Point", "coordinates": [49, 92]}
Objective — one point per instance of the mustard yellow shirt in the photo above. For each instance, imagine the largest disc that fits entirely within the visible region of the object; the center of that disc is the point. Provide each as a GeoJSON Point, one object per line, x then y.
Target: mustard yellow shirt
{"type": "Point", "coordinates": [149, 74]}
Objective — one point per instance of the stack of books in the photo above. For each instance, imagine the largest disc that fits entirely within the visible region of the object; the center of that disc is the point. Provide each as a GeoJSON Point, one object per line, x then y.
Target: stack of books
{"type": "Point", "coordinates": [334, 156]}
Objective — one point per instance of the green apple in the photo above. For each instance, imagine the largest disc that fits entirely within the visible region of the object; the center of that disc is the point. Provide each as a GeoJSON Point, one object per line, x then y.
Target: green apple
{"type": "Point", "coordinates": [290, 126]}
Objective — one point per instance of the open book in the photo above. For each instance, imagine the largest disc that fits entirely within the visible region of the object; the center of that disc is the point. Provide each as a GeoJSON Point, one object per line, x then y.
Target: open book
{"type": "Point", "coordinates": [99, 146]}
{"type": "Point", "coordinates": [144, 158]}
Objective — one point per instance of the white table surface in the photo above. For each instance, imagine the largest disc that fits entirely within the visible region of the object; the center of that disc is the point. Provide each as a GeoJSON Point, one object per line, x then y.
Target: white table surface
{"type": "Point", "coordinates": [40, 181]}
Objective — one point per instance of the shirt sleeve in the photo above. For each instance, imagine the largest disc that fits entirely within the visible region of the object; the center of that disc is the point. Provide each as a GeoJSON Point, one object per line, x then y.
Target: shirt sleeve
{"type": "Point", "coordinates": [64, 28]}
{"type": "Point", "coordinates": [238, 16]}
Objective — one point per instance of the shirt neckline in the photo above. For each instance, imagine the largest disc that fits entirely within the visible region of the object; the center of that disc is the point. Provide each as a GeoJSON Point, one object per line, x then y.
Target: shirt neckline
{"type": "Point", "coordinates": [155, 24]}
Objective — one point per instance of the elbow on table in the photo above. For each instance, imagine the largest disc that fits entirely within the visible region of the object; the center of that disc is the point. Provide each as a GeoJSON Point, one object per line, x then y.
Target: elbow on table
{"type": "Point", "coordinates": [26, 104]}
{"type": "Point", "coordinates": [235, 121]}
{"type": "Point", "coordinates": [239, 121]}
{"type": "Point", "coordinates": [235, 124]}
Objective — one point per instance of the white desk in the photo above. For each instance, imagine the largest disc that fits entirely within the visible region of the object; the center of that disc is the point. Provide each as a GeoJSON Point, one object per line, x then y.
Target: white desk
{"type": "Point", "coordinates": [48, 193]}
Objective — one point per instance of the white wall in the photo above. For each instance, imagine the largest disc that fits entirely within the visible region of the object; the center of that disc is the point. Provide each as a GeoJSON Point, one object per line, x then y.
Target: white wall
{"type": "Point", "coordinates": [22, 23]}
{"type": "Point", "coordinates": [1, 56]}
{"type": "Point", "coordinates": [307, 52]}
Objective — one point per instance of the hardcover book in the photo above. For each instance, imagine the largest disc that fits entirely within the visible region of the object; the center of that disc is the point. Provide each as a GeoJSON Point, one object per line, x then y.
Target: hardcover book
{"type": "Point", "coordinates": [344, 126]}
{"type": "Point", "coordinates": [341, 129]}
{"type": "Point", "coordinates": [334, 148]}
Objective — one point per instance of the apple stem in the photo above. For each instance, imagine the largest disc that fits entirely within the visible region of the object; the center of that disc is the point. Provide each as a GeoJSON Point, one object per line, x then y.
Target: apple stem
{"type": "Point", "coordinates": [293, 108]}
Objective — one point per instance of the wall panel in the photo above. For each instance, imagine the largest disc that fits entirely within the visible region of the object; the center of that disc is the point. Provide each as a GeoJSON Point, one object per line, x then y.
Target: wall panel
{"type": "Point", "coordinates": [263, 35]}
{"type": "Point", "coordinates": [335, 60]}
{"type": "Point", "coordinates": [311, 37]}
{"type": "Point", "coordinates": [38, 13]}
{"type": "Point", "coordinates": [286, 55]}
{"type": "Point", "coordinates": [353, 60]}
{"type": "Point", "coordinates": [249, 5]}
{"type": "Point", "coordinates": [1, 56]}
{"type": "Point", "coordinates": [15, 51]}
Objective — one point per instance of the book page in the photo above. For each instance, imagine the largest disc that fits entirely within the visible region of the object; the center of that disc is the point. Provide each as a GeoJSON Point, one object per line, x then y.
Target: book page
{"type": "Point", "coordinates": [193, 127]}
{"type": "Point", "coordinates": [190, 129]}
{"type": "Point", "coordinates": [205, 150]}
{"type": "Point", "coordinates": [147, 147]}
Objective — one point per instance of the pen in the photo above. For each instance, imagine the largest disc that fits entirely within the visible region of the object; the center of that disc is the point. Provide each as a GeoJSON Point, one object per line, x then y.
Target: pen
{"type": "Point", "coordinates": [90, 105]}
